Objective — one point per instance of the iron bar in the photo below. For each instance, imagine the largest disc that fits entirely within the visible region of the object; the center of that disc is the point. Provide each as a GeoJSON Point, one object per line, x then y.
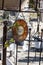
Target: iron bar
{"type": "Point", "coordinates": [20, 6]}
{"type": "Point", "coordinates": [16, 50]}
{"type": "Point", "coordinates": [29, 45]}
{"type": "Point", "coordinates": [2, 4]}
{"type": "Point", "coordinates": [4, 40]}
{"type": "Point", "coordinates": [23, 11]}
{"type": "Point", "coordinates": [41, 46]}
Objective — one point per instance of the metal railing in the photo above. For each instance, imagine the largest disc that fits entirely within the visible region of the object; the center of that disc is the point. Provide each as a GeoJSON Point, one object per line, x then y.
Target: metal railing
{"type": "Point", "coordinates": [4, 37]}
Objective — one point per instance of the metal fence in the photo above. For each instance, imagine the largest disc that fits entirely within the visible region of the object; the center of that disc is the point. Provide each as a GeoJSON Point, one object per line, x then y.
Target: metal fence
{"type": "Point", "coordinates": [4, 39]}
{"type": "Point", "coordinates": [35, 50]}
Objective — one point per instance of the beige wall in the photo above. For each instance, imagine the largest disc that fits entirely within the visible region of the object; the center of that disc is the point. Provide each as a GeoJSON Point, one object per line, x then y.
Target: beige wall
{"type": "Point", "coordinates": [0, 4]}
{"type": "Point", "coordinates": [11, 4]}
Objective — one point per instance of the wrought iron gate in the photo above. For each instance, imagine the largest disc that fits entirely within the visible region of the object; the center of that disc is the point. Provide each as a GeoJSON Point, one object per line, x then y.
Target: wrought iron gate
{"type": "Point", "coordinates": [30, 50]}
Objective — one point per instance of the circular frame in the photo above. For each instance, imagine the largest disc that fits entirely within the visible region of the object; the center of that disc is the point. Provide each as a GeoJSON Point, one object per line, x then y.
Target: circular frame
{"type": "Point", "coordinates": [20, 30]}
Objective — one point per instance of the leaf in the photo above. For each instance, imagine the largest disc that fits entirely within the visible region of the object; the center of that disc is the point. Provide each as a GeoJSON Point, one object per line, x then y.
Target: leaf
{"type": "Point", "coordinates": [16, 24]}
{"type": "Point", "coordinates": [11, 40]}
{"type": "Point", "coordinates": [6, 44]}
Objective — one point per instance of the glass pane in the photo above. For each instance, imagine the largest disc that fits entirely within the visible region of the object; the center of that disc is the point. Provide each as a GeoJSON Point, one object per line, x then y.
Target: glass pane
{"type": "Point", "coordinates": [11, 4]}
{"type": "Point", "coordinates": [0, 4]}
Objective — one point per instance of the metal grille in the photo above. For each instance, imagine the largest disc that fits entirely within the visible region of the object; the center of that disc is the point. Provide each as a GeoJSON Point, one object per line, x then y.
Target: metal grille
{"type": "Point", "coordinates": [34, 50]}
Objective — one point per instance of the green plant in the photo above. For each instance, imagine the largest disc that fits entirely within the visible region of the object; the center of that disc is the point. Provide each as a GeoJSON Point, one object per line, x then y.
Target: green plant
{"type": "Point", "coordinates": [11, 40]}
{"type": "Point", "coordinates": [16, 24]}
{"type": "Point", "coordinates": [31, 3]}
{"type": "Point", "coordinates": [7, 43]}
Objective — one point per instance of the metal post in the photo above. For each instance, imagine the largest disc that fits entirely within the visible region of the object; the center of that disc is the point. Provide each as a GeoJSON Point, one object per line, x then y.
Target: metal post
{"type": "Point", "coordinates": [36, 5]}
{"type": "Point", "coordinates": [16, 51]}
{"type": "Point", "coordinates": [41, 46]}
{"type": "Point", "coordinates": [4, 40]}
{"type": "Point", "coordinates": [2, 4]}
{"type": "Point", "coordinates": [38, 16]}
{"type": "Point", "coordinates": [29, 45]}
{"type": "Point", "coordinates": [20, 6]}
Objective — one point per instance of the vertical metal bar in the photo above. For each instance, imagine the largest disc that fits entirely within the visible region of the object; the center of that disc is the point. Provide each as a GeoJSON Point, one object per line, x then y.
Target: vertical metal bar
{"type": "Point", "coordinates": [20, 6]}
{"type": "Point", "coordinates": [2, 4]}
{"type": "Point", "coordinates": [38, 34]}
{"type": "Point", "coordinates": [40, 12]}
{"type": "Point", "coordinates": [35, 54]}
{"type": "Point", "coordinates": [41, 46]}
{"type": "Point", "coordinates": [29, 45]}
{"type": "Point", "coordinates": [36, 5]}
{"type": "Point", "coordinates": [4, 37]}
{"type": "Point", "coordinates": [37, 25]}
{"type": "Point", "coordinates": [16, 51]}
{"type": "Point", "coordinates": [29, 3]}
{"type": "Point", "coordinates": [4, 40]}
